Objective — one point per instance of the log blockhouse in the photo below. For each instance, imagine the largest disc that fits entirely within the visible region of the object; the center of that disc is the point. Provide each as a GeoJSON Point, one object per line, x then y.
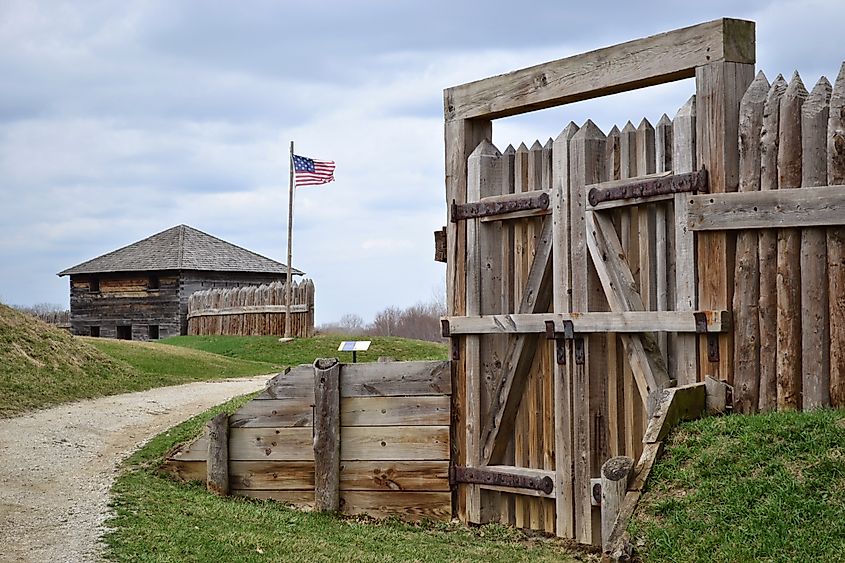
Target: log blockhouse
{"type": "Point", "coordinates": [141, 291]}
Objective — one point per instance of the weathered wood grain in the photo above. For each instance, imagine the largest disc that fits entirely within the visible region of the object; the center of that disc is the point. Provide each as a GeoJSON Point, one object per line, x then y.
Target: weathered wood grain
{"type": "Point", "coordinates": [789, 251]}
{"type": "Point", "coordinates": [684, 160]}
{"type": "Point", "coordinates": [280, 444]}
{"type": "Point", "coordinates": [561, 303]}
{"type": "Point", "coordinates": [815, 327]}
{"type": "Point", "coordinates": [272, 413]}
{"type": "Point", "coordinates": [602, 321]}
{"type": "Point", "coordinates": [395, 411]}
{"type": "Point", "coordinates": [644, 62]}
{"type": "Point", "coordinates": [836, 244]}
{"type": "Point", "coordinates": [272, 475]}
{"type": "Point", "coordinates": [407, 505]}
{"type": "Point", "coordinates": [395, 442]}
{"type": "Point", "coordinates": [747, 276]}
{"type": "Point", "coordinates": [719, 88]}
{"type": "Point", "coordinates": [394, 475]}
{"type": "Point", "coordinates": [687, 402]}
{"type": "Point", "coordinates": [217, 459]}
{"type": "Point", "coordinates": [327, 434]}
{"type": "Point", "coordinates": [614, 486]}
{"type": "Point", "coordinates": [396, 379]}
{"type": "Point", "coordinates": [768, 250]}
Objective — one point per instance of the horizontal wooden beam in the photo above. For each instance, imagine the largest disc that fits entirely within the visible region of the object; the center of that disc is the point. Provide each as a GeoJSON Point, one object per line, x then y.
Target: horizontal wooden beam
{"type": "Point", "coordinates": [771, 209]}
{"type": "Point", "coordinates": [632, 321]}
{"type": "Point", "coordinates": [647, 186]}
{"type": "Point", "coordinates": [508, 478]}
{"type": "Point", "coordinates": [494, 207]}
{"type": "Point", "coordinates": [247, 309]}
{"type": "Point", "coordinates": [636, 64]}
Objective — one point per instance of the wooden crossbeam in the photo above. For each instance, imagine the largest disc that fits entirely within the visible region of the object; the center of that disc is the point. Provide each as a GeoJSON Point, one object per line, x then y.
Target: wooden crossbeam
{"type": "Point", "coordinates": [627, 321]}
{"type": "Point", "coordinates": [636, 64]}
{"type": "Point", "coordinates": [508, 388]}
{"type": "Point", "coordinates": [247, 309]}
{"type": "Point", "coordinates": [643, 353]}
{"type": "Point", "coordinates": [770, 209]}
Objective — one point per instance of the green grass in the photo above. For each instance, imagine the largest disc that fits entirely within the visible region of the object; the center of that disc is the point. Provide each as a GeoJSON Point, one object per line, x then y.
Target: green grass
{"type": "Point", "coordinates": [157, 519]}
{"type": "Point", "coordinates": [306, 350]}
{"type": "Point", "coordinates": [41, 365]}
{"type": "Point", "coordinates": [748, 488]}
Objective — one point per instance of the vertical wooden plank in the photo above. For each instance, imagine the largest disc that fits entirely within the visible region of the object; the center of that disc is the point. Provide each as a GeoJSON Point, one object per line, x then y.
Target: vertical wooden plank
{"type": "Point", "coordinates": [616, 360]}
{"type": "Point", "coordinates": [546, 352]}
{"type": "Point", "coordinates": [461, 138]}
{"type": "Point", "coordinates": [587, 154]}
{"type": "Point", "coordinates": [481, 179]}
{"type": "Point", "coordinates": [836, 244]}
{"type": "Point", "coordinates": [521, 267]}
{"type": "Point", "coordinates": [507, 163]}
{"type": "Point", "coordinates": [815, 328]}
{"type": "Point", "coordinates": [768, 250]}
{"type": "Point", "coordinates": [719, 88]}
{"type": "Point", "coordinates": [789, 251]}
{"type": "Point", "coordinates": [629, 228]}
{"type": "Point", "coordinates": [561, 302]}
{"type": "Point", "coordinates": [747, 277]}
{"type": "Point", "coordinates": [647, 232]}
{"type": "Point", "coordinates": [327, 434]}
{"type": "Point", "coordinates": [614, 486]}
{"type": "Point", "coordinates": [217, 458]}
{"type": "Point", "coordinates": [664, 240]}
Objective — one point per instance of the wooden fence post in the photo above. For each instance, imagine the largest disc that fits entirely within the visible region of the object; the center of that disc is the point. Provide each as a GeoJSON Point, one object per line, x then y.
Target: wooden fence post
{"type": "Point", "coordinates": [789, 251]}
{"type": "Point", "coordinates": [719, 86]}
{"type": "Point", "coordinates": [327, 434]}
{"type": "Point", "coordinates": [614, 486]}
{"type": "Point", "coordinates": [747, 276]}
{"type": "Point", "coordinates": [836, 244]}
{"type": "Point", "coordinates": [217, 460]}
{"type": "Point", "coordinates": [815, 330]}
{"type": "Point", "coordinates": [768, 250]}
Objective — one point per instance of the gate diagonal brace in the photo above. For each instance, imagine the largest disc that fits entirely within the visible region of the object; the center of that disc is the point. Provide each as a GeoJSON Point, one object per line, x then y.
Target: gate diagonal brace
{"type": "Point", "coordinates": [712, 337]}
{"type": "Point", "coordinates": [484, 476]}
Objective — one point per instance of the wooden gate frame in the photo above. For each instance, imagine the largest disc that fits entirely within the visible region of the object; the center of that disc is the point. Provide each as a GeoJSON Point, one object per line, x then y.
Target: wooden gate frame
{"type": "Point", "coordinates": [720, 55]}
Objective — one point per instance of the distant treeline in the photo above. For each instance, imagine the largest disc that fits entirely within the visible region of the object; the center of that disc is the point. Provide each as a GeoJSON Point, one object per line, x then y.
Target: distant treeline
{"type": "Point", "coordinates": [48, 312]}
{"type": "Point", "coordinates": [420, 321]}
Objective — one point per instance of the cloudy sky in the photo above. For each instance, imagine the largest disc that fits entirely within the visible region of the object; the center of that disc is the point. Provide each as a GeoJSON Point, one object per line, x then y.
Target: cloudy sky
{"type": "Point", "coordinates": [122, 119]}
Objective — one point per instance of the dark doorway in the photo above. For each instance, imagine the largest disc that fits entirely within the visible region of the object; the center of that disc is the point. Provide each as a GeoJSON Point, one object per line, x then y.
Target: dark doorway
{"type": "Point", "coordinates": [95, 331]}
{"type": "Point", "coordinates": [153, 332]}
{"type": "Point", "coordinates": [124, 332]}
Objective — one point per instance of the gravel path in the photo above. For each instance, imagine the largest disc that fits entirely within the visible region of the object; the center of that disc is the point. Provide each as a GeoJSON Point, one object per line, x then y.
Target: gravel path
{"type": "Point", "coordinates": [57, 465]}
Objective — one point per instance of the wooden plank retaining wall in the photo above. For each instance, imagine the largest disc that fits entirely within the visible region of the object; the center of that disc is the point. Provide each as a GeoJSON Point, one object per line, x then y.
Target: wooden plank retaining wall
{"type": "Point", "coordinates": [394, 441]}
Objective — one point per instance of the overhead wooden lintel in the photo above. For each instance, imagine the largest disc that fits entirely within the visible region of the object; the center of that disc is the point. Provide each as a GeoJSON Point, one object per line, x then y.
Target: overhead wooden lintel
{"type": "Point", "coordinates": [636, 64]}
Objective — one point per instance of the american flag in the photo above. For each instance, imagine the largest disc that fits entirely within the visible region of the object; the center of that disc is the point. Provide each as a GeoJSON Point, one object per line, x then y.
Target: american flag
{"type": "Point", "coordinates": [311, 172]}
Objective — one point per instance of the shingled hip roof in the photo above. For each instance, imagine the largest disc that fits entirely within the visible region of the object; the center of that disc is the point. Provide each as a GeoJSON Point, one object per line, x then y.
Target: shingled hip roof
{"type": "Point", "coordinates": [180, 248]}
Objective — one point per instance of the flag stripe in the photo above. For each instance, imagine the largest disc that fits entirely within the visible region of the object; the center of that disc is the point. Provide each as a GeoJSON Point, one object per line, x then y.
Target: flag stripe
{"type": "Point", "coordinates": [310, 172]}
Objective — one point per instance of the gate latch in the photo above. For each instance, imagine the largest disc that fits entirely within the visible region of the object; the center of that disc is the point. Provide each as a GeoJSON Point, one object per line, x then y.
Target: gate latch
{"type": "Point", "coordinates": [712, 337]}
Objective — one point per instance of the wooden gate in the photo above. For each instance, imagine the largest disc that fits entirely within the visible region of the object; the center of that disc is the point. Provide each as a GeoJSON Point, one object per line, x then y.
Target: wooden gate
{"type": "Point", "coordinates": [576, 290]}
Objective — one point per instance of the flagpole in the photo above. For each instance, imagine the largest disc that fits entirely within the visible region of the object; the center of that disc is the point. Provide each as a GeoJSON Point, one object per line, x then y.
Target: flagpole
{"type": "Point", "coordinates": [289, 287]}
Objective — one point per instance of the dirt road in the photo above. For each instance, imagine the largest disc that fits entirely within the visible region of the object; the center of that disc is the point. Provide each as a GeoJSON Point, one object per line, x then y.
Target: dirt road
{"type": "Point", "coordinates": [57, 465]}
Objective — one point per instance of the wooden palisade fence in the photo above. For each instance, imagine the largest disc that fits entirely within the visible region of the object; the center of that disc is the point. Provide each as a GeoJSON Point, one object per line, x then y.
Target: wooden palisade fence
{"type": "Point", "coordinates": [252, 310]}
{"type": "Point", "coordinates": [588, 275]}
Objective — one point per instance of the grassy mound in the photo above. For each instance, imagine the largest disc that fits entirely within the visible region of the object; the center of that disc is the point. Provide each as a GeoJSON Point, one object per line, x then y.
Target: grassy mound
{"type": "Point", "coordinates": [748, 488]}
{"type": "Point", "coordinates": [41, 365]}
{"type": "Point", "coordinates": [305, 350]}
{"type": "Point", "coordinates": [157, 519]}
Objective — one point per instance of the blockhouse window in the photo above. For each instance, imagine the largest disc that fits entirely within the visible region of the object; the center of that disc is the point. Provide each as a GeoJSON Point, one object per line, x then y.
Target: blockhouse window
{"type": "Point", "coordinates": [153, 283]}
{"type": "Point", "coordinates": [124, 332]}
{"type": "Point", "coordinates": [95, 331]}
{"type": "Point", "coordinates": [153, 334]}
{"type": "Point", "coordinates": [94, 285]}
